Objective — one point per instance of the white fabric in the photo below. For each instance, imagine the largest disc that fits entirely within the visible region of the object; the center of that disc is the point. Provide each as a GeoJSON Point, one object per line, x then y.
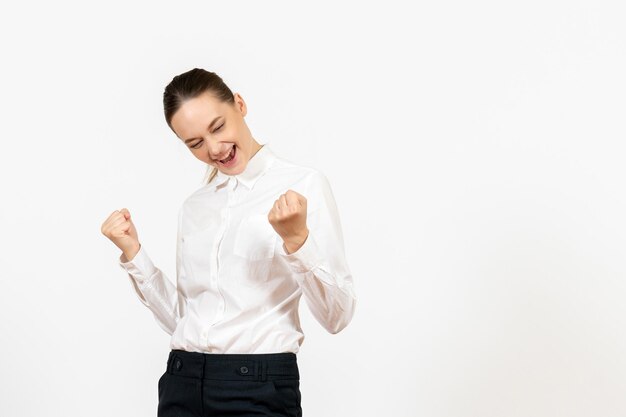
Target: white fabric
{"type": "Point", "coordinates": [237, 290]}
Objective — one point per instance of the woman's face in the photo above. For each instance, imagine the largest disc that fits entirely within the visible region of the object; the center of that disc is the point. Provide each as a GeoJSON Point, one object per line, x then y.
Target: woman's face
{"type": "Point", "coordinates": [212, 129]}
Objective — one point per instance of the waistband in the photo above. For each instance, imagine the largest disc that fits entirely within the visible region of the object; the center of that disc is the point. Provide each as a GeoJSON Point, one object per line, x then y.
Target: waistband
{"type": "Point", "coordinates": [233, 366]}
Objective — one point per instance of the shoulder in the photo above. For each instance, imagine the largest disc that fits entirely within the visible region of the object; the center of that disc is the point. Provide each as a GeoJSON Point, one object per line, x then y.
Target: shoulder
{"type": "Point", "coordinates": [198, 193]}
{"type": "Point", "coordinates": [197, 200]}
{"type": "Point", "coordinates": [302, 176]}
{"type": "Point", "coordinates": [308, 181]}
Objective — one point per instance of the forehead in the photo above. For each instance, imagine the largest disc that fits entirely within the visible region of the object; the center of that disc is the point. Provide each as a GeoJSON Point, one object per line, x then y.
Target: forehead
{"type": "Point", "coordinates": [195, 114]}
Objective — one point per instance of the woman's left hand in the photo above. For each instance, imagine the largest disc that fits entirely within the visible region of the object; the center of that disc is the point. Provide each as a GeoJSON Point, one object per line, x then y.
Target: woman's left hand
{"type": "Point", "coordinates": [288, 218]}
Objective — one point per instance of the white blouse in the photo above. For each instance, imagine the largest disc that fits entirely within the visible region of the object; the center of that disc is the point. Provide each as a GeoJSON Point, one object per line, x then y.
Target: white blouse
{"type": "Point", "coordinates": [237, 289]}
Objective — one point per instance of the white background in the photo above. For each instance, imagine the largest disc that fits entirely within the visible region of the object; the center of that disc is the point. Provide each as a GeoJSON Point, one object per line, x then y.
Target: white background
{"type": "Point", "coordinates": [475, 150]}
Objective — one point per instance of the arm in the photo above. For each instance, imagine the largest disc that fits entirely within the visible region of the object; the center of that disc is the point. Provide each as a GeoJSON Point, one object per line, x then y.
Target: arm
{"type": "Point", "coordinates": [320, 264]}
{"type": "Point", "coordinates": [153, 287]}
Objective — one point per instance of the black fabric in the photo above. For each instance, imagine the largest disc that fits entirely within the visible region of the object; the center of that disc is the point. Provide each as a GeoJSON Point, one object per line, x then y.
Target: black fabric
{"type": "Point", "coordinates": [236, 384]}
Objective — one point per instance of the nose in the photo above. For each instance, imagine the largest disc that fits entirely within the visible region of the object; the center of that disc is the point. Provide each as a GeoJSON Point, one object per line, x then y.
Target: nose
{"type": "Point", "coordinates": [214, 150]}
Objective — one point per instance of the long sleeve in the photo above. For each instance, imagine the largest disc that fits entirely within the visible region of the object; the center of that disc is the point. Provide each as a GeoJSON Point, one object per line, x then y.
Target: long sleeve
{"type": "Point", "coordinates": [153, 287]}
{"type": "Point", "coordinates": [320, 263]}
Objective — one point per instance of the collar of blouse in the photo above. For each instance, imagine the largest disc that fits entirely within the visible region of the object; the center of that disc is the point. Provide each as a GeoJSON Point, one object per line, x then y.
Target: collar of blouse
{"type": "Point", "coordinates": [257, 165]}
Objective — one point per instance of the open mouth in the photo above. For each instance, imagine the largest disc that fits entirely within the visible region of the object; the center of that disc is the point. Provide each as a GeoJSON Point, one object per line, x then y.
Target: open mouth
{"type": "Point", "coordinates": [229, 160]}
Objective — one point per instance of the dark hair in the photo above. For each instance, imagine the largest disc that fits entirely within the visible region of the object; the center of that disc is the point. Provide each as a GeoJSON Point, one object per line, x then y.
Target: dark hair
{"type": "Point", "coordinates": [190, 85]}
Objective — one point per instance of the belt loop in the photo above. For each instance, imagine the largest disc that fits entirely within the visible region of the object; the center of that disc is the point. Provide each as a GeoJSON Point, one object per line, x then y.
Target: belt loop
{"type": "Point", "coordinates": [257, 374]}
{"type": "Point", "coordinates": [169, 362]}
{"type": "Point", "coordinates": [263, 370]}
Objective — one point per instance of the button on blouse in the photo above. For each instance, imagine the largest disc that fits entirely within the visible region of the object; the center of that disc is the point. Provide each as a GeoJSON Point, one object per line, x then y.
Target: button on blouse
{"type": "Point", "coordinates": [237, 289]}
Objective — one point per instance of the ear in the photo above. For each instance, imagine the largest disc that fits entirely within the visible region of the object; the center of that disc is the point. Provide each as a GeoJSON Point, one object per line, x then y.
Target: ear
{"type": "Point", "coordinates": [240, 104]}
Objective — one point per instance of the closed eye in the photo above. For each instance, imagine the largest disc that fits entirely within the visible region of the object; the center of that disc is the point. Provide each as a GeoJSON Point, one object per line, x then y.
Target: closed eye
{"type": "Point", "coordinates": [197, 145]}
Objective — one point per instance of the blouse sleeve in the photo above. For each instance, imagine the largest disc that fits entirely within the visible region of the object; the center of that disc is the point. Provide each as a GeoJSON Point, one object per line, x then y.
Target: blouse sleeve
{"type": "Point", "coordinates": [154, 288]}
{"type": "Point", "coordinates": [320, 263]}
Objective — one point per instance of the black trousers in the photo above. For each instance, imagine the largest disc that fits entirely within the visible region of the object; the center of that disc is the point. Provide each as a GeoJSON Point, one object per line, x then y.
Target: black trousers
{"type": "Point", "coordinates": [230, 384]}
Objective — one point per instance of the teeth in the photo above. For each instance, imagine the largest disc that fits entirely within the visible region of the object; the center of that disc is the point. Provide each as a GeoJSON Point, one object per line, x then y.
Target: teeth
{"type": "Point", "coordinates": [228, 156]}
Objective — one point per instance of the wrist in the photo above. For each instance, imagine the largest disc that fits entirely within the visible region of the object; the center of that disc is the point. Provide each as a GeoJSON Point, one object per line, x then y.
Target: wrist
{"type": "Point", "coordinates": [130, 253]}
{"type": "Point", "coordinates": [294, 243]}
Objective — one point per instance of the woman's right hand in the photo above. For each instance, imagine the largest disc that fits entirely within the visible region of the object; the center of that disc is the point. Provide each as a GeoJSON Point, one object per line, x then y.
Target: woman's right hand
{"type": "Point", "coordinates": [119, 228]}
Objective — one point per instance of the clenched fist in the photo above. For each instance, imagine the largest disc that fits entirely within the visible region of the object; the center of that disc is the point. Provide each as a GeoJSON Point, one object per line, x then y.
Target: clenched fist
{"type": "Point", "coordinates": [121, 230]}
{"type": "Point", "coordinates": [288, 218]}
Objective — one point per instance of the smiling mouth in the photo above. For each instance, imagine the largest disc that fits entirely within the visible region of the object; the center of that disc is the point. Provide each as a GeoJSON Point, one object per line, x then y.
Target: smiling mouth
{"type": "Point", "coordinates": [230, 156]}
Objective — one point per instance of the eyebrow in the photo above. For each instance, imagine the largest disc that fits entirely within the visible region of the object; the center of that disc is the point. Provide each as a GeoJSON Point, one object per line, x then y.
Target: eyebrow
{"type": "Point", "coordinates": [210, 125]}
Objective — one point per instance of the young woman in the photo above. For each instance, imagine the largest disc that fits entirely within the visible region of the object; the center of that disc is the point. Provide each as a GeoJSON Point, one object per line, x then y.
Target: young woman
{"type": "Point", "coordinates": [260, 233]}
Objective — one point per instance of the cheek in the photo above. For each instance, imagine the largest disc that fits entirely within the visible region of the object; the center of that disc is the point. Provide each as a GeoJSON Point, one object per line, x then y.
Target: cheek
{"type": "Point", "coordinates": [232, 134]}
{"type": "Point", "coordinates": [200, 154]}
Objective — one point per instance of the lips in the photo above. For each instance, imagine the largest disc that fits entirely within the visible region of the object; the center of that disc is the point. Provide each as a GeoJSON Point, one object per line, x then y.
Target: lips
{"type": "Point", "coordinates": [230, 153]}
